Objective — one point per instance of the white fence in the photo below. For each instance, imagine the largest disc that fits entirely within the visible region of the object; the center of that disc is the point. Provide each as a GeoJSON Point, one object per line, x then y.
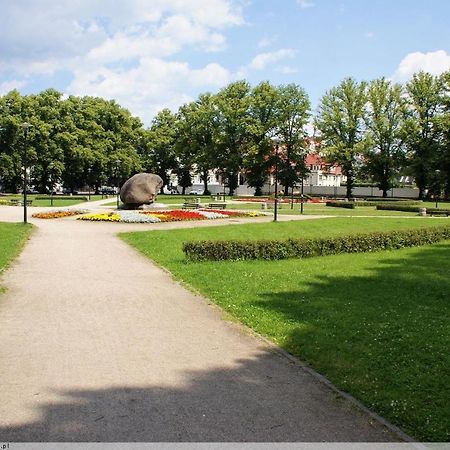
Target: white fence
{"type": "Point", "coordinates": [326, 191]}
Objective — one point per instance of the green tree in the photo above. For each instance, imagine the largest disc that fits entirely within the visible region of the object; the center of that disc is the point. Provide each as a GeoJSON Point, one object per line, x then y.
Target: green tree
{"type": "Point", "coordinates": [293, 114]}
{"type": "Point", "coordinates": [424, 96]}
{"type": "Point", "coordinates": [341, 124]}
{"type": "Point", "coordinates": [161, 156]}
{"type": "Point", "coordinates": [14, 111]}
{"type": "Point", "coordinates": [384, 122]}
{"type": "Point", "coordinates": [48, 164]}
{"type": "Point", "coordinates": [95, 134]}
{"type": "Point", "coordinates": [233, 130]}
{"type": "Point", "coordinates": [196, 146]}
{"type": "Point", "coordinates": [263, 112]}
{"type": "Point", "coordinates": [444, 127]}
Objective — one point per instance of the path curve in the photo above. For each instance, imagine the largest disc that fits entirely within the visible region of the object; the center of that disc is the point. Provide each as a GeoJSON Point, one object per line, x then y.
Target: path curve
{"type": "Point", "coordinates": [98, 344]}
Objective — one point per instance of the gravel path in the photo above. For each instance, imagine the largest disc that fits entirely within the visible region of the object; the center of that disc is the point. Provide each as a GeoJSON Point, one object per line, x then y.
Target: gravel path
{"type": "Point", "coordinates": [98, 344]}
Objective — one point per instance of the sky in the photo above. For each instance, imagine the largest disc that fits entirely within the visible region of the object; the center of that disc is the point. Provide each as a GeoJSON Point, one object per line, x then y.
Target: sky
{"type": "Point", "coordinates": [152, 54]}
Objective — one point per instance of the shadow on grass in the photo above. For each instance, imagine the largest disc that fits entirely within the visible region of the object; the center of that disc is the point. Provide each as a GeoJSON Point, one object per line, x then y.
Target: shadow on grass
{"type": "Point", "coordinates": [260, 399]}
{"type": "Point", "coordinates": [382, 336]}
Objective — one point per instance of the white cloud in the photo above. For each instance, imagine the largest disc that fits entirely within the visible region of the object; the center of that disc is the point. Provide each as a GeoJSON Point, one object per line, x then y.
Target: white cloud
{"type": "Point", "coordinates": [286, 70]}
{"type": "Point", "coordinates": [8, 86]}
{"type": "Point", "coordinates": [305, 4]}
{"type": "Point", "coordinates": [433, 62]}
{"type": "Point", "coordinates": [259, 62]}
{"type": "Point", "coordinates": [211, 75]}
{"type": "Point", "coordinates": [150, 86]}
{"type": "Point", "coordinates": [129, 50]}
{"type": "Point", "coordinates": [266, 41]}
{"type": "Point", "coordinates": [369, 34]}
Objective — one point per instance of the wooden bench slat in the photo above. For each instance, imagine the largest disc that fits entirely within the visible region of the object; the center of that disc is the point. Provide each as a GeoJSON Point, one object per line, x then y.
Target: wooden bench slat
{"type": "Point", "coordinates": [191, 205]}
{"type": "Point", "coordinates": [217, 205]}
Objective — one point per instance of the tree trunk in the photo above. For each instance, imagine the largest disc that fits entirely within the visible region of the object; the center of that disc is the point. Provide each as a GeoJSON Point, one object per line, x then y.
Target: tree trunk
{"type": "Point", "coordinates": [232, 183]}
{"type": "Point", "coordinates": [421, 193]}
{"type": "Point", "coordinates": [205, 182]}
{"type": "Point", "coordinates": [349, 193]}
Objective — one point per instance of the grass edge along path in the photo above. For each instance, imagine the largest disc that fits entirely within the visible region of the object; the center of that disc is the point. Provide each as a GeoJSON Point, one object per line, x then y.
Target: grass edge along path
{"type": "Point", "coordinates": [374, 324]}
{"type": "Point", "coordinates": [13, 237]}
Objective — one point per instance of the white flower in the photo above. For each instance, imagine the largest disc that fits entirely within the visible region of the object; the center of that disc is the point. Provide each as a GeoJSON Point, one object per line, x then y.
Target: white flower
{"type": "Point", "coordinates": [211, 214]}
{"type": "Point", "coordinates": [133, 217]}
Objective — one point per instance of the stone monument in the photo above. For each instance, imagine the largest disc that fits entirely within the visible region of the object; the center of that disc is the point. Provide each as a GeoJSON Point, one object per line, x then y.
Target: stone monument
{"type": "Point", "coordinates": [140, 189]}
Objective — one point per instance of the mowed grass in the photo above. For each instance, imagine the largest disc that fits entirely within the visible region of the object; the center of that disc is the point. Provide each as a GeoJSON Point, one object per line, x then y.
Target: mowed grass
{"type": "Point", "coordinates": [57, 202]}
{"type": "Point", "coordinates": [12, 239]}
{"type": "Point", "coordinates": [375, 324]}
{"type": "Point", "coordinates": [321, 209]}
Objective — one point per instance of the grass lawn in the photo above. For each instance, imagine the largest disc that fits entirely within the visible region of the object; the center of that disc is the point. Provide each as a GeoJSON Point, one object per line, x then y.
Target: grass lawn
{"type": "Point", "coordinates": [443, 205]}
{"type": "Point", "coordinates": [376, 324]}
{"type": "Point", "coordinates": [57, 203]}
{"type": "Point", "coordinates": [12, 239]}
{"type": "Point", "coordinates": [321, 209]}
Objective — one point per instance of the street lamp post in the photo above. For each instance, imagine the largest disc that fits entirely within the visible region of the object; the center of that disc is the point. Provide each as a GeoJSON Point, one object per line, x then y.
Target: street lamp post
{"type": "Point", "coordinates": [302, 197]}
{"type": "Point", "coordinates": [118, 180]}
{"type": "Point", "coordinates": [438, 187]}
{"type": "Point", "coordinates": [292, 196]}
{"type": "Point", "coordinates": [51, 190]}
{"type": "Point", "coordinates": [25, 127]}
{"type": "Point", "coordinates": [51, 179]}
{"type": "Point", "coordinates": [275, 206]}
{"type": "Point", "coordinates": [89, 183]}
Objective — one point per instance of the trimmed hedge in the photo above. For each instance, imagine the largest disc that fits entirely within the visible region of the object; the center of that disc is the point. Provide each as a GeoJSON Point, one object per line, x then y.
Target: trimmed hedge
{"type": "Point", "coordinates": [407, 208]}
{"type": "Point", "coordinates": [62, 197]}
{"type": "Point", "coordinates": [335, 204]}
{"type": "Point", "coordinates": [398, 202]}
{"type": "Point", "coordinates": [391, 199]}
{"type": "Point", "coordinates": [304, 248]}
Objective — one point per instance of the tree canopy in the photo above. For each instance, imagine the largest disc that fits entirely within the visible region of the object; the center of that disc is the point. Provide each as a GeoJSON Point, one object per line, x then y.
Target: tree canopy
{"type": "Point", "coordinates": [376, 131]}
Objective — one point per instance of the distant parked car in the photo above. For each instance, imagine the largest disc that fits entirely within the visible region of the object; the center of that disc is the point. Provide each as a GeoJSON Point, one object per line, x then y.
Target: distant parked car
{"type": "Point", "coordinates": [197, 192]}
{"type": "Point", "coordinates": [67, 191]}
{"type": "Point", "coordinates": [108, 190]}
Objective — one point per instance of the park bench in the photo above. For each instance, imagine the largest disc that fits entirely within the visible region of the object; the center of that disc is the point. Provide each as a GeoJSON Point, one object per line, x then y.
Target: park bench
{"type": "Point", "coordinates": [440, 213]}
{"type": "Point", "coordinates": [191, 205]}
{"type": "Point", "coordinates": [221, 205]}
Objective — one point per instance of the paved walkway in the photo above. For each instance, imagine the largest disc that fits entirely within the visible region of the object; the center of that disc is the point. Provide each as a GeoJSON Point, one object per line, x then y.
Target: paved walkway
{"type": "Point", "coordinates": [98, 344]}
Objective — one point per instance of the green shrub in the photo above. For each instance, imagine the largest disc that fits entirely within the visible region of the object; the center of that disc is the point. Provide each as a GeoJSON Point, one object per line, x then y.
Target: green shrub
{"type": "Point", "coordinates": [303, 248]}
{"type": "Point", "coordinates": [407, 208]}
{"type": "Point", "coordinates": [397, 202]}
{"type": "Point", "coordinates": [392, 199]}
{"type": "Point", "coordinates": [348, 205]}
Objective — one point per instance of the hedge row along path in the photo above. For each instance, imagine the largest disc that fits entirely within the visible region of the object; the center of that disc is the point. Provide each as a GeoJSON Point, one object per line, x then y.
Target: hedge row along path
{"type": "Point", "coordinates": [98, 344]}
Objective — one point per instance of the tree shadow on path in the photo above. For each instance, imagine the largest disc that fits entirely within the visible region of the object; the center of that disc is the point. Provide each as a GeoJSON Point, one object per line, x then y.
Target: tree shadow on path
{"type": "Point", "coordinates": [264, 399]}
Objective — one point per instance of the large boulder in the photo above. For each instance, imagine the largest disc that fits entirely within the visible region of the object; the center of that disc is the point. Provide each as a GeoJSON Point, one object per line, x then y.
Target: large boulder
{"type": "Point", "coordinates": [141, 189]}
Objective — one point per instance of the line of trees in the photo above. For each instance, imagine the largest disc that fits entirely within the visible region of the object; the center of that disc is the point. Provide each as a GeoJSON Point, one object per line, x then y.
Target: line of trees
{"type": "Point", "coordinates": [374, 131]}
{"type": "Point", "coordinates": [378, 130]}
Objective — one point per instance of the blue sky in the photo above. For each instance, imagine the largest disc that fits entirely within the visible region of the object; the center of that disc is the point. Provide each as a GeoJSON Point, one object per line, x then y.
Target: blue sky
{"type": "Point", "coordinates": [151, 54]}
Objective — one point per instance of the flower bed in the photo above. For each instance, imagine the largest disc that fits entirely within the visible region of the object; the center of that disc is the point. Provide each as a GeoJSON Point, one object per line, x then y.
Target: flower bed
{"type": "Point", "coordinates": [172, 215]}
{"type": "Point", "coordinates": [57, 214]}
